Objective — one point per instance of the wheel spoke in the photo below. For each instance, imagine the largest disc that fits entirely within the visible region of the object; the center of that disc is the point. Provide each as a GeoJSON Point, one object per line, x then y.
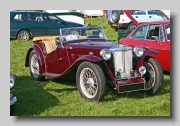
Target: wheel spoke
{"type": "Point", "coordinates": [34, 66]}
{"type": "Point", "coordinates": [150, 75]}
{"type": "Point", "coordinates": [88, 82]}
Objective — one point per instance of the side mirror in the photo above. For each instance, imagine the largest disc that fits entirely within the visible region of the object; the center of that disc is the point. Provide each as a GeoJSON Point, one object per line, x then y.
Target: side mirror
{"type": "Point", "coordinates": [57, 40]}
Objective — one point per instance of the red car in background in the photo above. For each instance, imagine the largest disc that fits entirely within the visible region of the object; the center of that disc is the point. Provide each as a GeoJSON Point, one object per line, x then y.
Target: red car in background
{"type": "Point", "coordinates": [153, 35]}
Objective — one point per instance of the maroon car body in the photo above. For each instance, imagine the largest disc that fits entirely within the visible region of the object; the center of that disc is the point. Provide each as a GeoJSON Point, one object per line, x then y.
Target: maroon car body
{"type": "Point", "coordinates": [153, 35]}
{"type": "Point", "coordinates": [93, 61]}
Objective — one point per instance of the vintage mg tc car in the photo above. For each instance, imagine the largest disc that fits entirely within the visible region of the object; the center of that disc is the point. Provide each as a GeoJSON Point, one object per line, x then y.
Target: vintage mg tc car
{"type": "Point", "coordinates": [86, 55]}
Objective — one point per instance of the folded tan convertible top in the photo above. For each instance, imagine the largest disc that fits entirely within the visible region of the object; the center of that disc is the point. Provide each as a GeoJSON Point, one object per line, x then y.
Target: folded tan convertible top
{"type": "Point", "coordinates": [44, 38]}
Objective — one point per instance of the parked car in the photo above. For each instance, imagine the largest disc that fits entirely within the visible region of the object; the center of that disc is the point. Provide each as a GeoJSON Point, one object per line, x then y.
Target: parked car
{"type": "Point", "coordinates": [28, 24]}
{"type": "Point", "coordinates": [85, 54]}
{"type": "Point", "coordinates": [69, 15]}
{"type": "Point", "coordinates": [152, 35]}
{"type": "Point", "coordinates": [13, 98]}
{"type": "Point", "coordinates": [121, 18]}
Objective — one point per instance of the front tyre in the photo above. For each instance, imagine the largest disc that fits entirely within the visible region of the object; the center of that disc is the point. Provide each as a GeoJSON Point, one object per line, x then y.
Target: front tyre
{"type": "Point", "coordinates": [154, 76]}
{"type": "Point", "coordinates": [34, 66]}
{"type": "Point", "coordinates": [91, 82]}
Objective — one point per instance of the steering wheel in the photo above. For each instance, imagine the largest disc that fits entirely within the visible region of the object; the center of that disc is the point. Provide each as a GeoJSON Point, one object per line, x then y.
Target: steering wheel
{"type": "Point", "coordinates": [71, 37]}
{"type": "Point", "coordinates": [74, 31]}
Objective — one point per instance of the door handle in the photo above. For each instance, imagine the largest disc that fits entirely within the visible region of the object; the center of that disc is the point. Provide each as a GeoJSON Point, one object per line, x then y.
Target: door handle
{"type": "Point", "coordinates": [144, 43]}
{"type": "Point", "coordinates": [150, 16]}
{"type": "Point", "coordinates": [136, 16]}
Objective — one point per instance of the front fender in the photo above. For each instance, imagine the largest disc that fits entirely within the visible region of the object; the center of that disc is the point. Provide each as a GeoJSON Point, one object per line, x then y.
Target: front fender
{"type": "Point", "coordinates": [81, 59]}
{"type": "Point", "coordinates": [147, 53]}
{"type": "Point", "coordinates": [40, 58]}
{"type": "Point", "coordinates": [90, 58]}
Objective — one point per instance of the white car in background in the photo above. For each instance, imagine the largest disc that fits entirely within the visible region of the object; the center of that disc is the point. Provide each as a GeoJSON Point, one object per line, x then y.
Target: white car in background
{"type": "Point", "coordinates": [120, 18]}
{"type": "Point", "coordinates": [76, 16]}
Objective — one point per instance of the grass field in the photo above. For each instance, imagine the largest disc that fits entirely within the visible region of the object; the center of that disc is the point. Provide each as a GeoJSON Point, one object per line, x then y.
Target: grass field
{"type": "Point", "coordinates": [60, 97]}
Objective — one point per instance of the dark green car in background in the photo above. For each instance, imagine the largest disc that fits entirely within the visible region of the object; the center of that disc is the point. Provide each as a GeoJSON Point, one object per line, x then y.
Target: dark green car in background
{"type": "Point", "coordinates": [25, 25]}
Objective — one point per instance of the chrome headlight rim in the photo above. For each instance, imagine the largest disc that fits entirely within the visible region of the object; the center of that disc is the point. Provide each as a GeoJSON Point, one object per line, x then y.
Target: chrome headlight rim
{"type": "Point", "coordinates": [142, 70]}
{"type": "Point", "coordinates": [105, 54]}
{"type": "Point", "coordinates": [138, 51]}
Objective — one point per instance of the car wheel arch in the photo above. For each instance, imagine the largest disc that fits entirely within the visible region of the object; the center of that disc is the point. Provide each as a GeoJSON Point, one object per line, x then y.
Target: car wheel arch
{"type": "Point", "coordinates": [40, 58]}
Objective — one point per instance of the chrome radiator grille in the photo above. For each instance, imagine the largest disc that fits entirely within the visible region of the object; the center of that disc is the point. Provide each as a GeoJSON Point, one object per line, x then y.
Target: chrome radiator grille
{"type": "Point", "coordinates": [123, 61]}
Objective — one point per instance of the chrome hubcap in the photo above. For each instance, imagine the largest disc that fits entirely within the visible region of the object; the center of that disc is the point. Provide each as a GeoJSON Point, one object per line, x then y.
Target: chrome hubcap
{"type": "Point", "coordinates": [23, 36]}
{"type": "Point", "coordinates": [35, 66]}
{"type": "Point", "coordinates": [88, 82]}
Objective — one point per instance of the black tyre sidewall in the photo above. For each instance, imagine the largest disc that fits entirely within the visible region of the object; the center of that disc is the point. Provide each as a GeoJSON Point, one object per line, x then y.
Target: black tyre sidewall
{"type": "Point", "coordinates": [39, 78]}
{"type": "Point", "coordinates": [100, 78]}
{"type": "Point", "coordinates": [159, 77]}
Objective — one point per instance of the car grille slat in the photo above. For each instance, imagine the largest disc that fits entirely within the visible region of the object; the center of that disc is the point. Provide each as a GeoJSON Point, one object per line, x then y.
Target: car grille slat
{"type": "Point", "coordinates": [123, 61]}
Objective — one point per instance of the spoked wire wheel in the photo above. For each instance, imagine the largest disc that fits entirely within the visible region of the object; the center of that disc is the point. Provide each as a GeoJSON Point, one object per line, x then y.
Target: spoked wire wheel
{"type": "Point", "coordinates": [149, 76]}
{"type": "Point", "coordinates": [154, 76]}
{"type": "Point", "coordinates": [88, 82]}
{"type": "Point", "coordinates": [34, 66]}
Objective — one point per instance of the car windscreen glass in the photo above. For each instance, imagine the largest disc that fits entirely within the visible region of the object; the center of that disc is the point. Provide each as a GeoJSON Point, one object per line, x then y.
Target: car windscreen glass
{"type": "Point", "coordinates": [141, 32]}
{"type": "Point", "coordinates": [82, 33]}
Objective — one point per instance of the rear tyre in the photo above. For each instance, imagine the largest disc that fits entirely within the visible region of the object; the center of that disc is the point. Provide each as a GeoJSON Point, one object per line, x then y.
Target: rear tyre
{"type": "Point", "coordinates": [23, 35]}
{"type": "Point", "coordinates": [154, 76]}
{"type": "Point", "coordinates": [34, 66]}
{"type": "Point", "coordinates": [132, 26]}
{"type": "Point", "coordinates": [90, 80]}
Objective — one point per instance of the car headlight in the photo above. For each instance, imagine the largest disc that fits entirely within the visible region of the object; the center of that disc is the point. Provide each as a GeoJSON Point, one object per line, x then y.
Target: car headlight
{"type": "Point", "coordinates": [12, 80]}
{"type": "Point", "coordinates": [138, 51]}
{"type": "Point", "coordinates": [142, 70]}
{"type": "Point", "coordinates": [105, 54]}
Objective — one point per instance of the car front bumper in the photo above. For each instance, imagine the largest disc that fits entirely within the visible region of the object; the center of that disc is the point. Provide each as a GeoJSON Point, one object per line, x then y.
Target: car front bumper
{"type": "Point", "coordinates": [130, 85]}
{"type": "Point", "coordinates": [13, 100]}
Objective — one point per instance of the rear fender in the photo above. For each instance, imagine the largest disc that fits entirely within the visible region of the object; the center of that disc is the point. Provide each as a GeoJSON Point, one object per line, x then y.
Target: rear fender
{"type": "Point", "coordinates": [40, 55]}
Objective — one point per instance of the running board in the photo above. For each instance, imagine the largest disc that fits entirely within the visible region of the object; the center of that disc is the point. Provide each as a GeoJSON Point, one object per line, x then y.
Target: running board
{"type": "Point", "coordinates": [51, 75]}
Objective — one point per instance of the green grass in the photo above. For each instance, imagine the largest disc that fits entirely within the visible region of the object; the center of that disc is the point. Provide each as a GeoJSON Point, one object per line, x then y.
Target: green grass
{"type": "Point", "coordinates": [60, 97]}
